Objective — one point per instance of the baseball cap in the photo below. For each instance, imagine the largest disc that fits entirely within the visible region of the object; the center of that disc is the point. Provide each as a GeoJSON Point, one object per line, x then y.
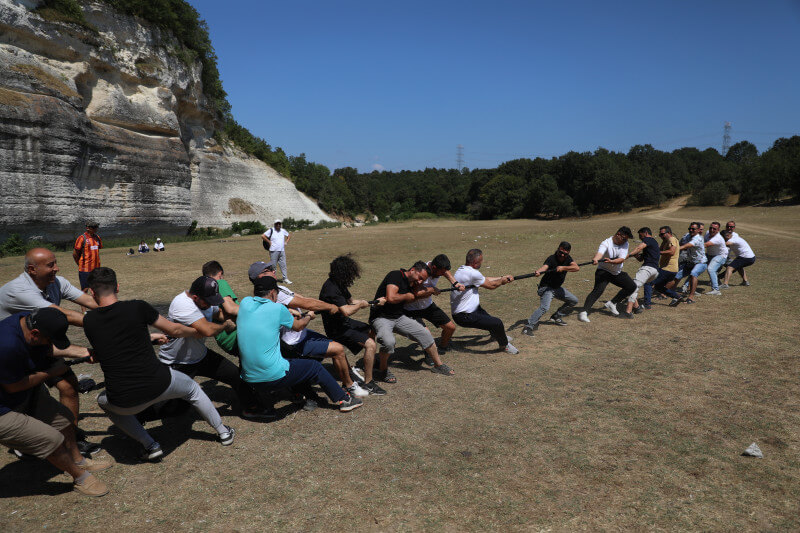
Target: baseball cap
{"type": "Point", "coordinates": [278, 221]}
{"type": "Point", "coordinates": [207, 289]}
{"type": "Point", "coordinates": [52, 323]}
{"type": "Point", "coordinates": [266, 284]}
{"type": "Point", "coordinates": [257, 268]}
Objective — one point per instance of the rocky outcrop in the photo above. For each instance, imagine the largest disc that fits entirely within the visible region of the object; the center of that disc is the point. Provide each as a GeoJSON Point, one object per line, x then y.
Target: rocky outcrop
{"type": "Point", "coordinates": [112, 125]}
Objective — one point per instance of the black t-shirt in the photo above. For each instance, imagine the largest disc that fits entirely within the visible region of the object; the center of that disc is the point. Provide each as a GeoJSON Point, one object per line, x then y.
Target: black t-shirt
{"type": "Point", "coordinates": [551, 278]}
{"type": "Point", "coordinates": [395, 277]}
{"type": "Point", "coordinates": [121, 341]}
{"type": "Point", "coordinates": [332, 293]}
{"type": "Point", "coordinates": [652, 253]}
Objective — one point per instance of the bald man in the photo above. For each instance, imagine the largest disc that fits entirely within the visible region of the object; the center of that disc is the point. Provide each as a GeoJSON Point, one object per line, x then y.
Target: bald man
{"type": "Point", "coordinates": [37, 287]}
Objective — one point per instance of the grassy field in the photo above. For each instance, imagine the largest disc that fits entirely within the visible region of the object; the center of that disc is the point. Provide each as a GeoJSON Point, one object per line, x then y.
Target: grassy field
{"type": "Point", "coordinates": [613, 425]}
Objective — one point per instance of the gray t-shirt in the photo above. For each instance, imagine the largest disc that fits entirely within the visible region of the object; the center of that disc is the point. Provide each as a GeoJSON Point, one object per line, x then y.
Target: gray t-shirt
{"type": "Point", "coordinates": [22, 295]}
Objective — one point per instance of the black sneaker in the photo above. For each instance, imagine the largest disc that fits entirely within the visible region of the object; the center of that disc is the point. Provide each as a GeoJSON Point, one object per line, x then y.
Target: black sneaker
{"type": "Point", "coordinates": [87, 448]}
{"type": "Point", "coordinates": [226, 437]}
{"type": "Point", "coordinates": [152, 453]}
{"type": "Point", "coordinates": [625, 314]}
{"type": "Point", "coordinates": [373, 388]}
{"type": "Point", "coordinates": [529, 331]}
{"type": "Point", "coordinates": [638, 310]}
{"type": "Point", "coordinates": [260, 413]}
{"type": "Point", "coordinates": [442, 349]}
{"type": "Point", "coordinates": [675, 302]}
{"type": "Point", "coordinates": [557, 320]}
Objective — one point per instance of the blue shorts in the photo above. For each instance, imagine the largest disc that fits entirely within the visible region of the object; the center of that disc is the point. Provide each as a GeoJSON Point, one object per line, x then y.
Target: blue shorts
{"type": "Point", "coordinates": [697, 269]}
{"type": "Point", "coordinates": [313, 346]}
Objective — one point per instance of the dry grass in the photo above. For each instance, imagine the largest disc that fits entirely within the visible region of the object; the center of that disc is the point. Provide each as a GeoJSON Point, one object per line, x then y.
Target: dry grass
{"type": "Point", "coordinates": [610, 425]}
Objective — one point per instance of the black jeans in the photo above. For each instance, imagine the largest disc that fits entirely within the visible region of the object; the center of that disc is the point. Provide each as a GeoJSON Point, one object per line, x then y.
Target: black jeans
{"type": "Point", "coordinates": [480, 319]}
{"type": "Point", "coordinates": [601, 280]}
{"type": "Point", "coordinates": [215, 366]}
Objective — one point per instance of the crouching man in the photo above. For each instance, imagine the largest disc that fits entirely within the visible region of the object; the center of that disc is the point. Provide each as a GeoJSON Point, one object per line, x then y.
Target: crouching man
{"type": "Point", "coordinates": [31, 421]}
{"type": "Point", "coordinates": [263, 368]}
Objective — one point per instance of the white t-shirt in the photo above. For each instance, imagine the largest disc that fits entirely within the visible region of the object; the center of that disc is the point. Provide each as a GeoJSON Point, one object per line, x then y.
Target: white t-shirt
{"type": "Point", "coordinates": [185, 351]}
{"type": "Point", "coordinates": [158, 245]}
{"type": "Point", "coordinates": [612, 251]}
{"type": "Point", "coordinates": [288, 335]}
{"type": "Point", "coordinates": [716, 246]}
{"type": "Point", "coordinates": [424, 303]}
{"type": "Point", "coordinates": [740, 247]}
{"type": "Point", "coordinates": [277, 239]}
{"type": "Point", "coordinates": [469, 300]}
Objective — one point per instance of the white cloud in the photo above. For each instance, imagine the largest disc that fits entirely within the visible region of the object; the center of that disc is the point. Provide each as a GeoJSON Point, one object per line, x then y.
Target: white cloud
{"type": "Point", "coordinates": [378, 166]}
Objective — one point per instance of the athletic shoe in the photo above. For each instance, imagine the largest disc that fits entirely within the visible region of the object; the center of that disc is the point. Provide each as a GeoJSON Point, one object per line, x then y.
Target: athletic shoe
{"type": "Point", "coordinates": [152, 453]}
{"type": "Point", "coordinates": [87, 449]}
{"type": "Point", "coordinates": [509, 348]}
{"type": "Point", "coordinates": [529, 331]}
{"type": "Point", "coordinates": [675, 302]}
{"type": "Point", "coordinates": [715, 292]}
{"type": "Point", "coordinates": [349, 403]}
{"type": "Point", "coordinates": [91, 486]}
{"type": "Point", "coordinates": [745, 284]}
{"type": "Point", "coordinates": [356, 374]}
{"type": "Point", "coordinates": [97, 465]}
{"type": "Point", "coordinates": [510, 338]}
{"type": "Point", "coordinates": [648, 306]}
{"type": "Point", "coordinates": [611, 306]}
{"type": "Point", "coordinates": [373, 388]}
{"type": "Point", "coordinates": [557, 320]}
{"type": "Point", "coordinates": [356, 390]}
{"type": "Point", "coordinates": [724, 286]}
{"type": "Point", "coordinates": [226, 437]}
{"type": "Point", "coordinates": [287, 281]}
{"type": "Point", "coordinates": [626, 314]}
{"type": "Point", "coordinates": [259, 413]}
{"type": "Point", "coordinates": [637, 310]}
{"type": "Point", "coordinates": [583, 316]}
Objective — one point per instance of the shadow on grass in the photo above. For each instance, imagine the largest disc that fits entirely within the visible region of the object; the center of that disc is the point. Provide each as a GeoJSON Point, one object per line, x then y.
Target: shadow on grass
{"type": "Point", "coordinates": [32, 477]}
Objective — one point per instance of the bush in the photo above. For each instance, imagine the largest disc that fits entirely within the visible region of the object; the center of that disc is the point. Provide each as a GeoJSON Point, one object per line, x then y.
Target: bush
{"type": "Point", "coordinates": [715, 193]}
{"type": "Point", "coordinates": [16, 245]}
{"type": "Point", "coordinates": [254, 226]}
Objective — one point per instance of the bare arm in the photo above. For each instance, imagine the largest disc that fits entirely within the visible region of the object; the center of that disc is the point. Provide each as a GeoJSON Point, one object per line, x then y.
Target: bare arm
{"type": "Point", "coordinates": [300, 323]}
{"type": "Point", "coordinates": [353, 307]}
{"type": "Point", "coordinates": [493, 283]}
{"type": "Point", "coordinates": [211, 329]}
{"type": "Point", "coordinates": [32, 380]}
{"type": "Point", "coordinates": [393, 297]}
{"type": "Point", "coordinates": [669, 252]}
{"type": "Point", "coordinates": [572, 267]}
{"type": "Point", "coordinates": [71, 351]}
{"type": "Point", "coordinates": [266, 239]}
{"type": "Point", "coordinates": [636, 251]}
{"type": "Point", "coordinates": [310, 304]}
{"type": "Point", "coordinates": [86, 301]}
{"type": "Point", "coordinates": [173, 329]}
{"type": "Point", "coordinates": [230, 307]}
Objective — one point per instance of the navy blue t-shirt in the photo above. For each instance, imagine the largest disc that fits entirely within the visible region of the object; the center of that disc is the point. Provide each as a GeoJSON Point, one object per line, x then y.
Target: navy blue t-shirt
{"type": "Point", "coordinates": [16, 360]}
{"type": "Point", "coordinates": [652, 253]}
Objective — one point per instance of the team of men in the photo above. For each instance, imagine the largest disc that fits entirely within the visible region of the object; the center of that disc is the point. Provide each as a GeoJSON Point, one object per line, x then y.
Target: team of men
{"type": "Point", "coordinates": [269, 333]}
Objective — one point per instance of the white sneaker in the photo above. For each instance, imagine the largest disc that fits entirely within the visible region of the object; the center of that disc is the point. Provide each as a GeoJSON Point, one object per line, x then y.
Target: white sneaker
{"type": "Point", "coordinates": [356, 374]}
{"type": "Point", "coordinates": [287, 281]}
{"type": "Point", "coordinates": [583, 316]}
{"type": "Point", "coordinates": [357, 391]}
{"type": "Point", "coordinates": [715, 292]}
{"type": "Point", "coordinates": [510, 349]}
{"type": "Point", "coordinates": [612, 307]}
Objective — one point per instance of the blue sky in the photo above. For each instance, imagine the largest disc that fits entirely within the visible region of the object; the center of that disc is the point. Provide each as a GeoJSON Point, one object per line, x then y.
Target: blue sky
{"type": "Point", "coordinates": [398, 85]}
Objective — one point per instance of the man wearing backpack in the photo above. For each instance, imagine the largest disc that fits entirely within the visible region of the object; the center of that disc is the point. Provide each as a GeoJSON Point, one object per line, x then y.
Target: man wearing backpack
{"type": "Point", "coordinates": [275, 240]}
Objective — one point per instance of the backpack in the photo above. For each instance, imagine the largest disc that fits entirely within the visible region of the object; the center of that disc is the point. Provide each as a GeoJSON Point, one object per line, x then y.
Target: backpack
{"type": "Point", "coordinates": [264, 243]}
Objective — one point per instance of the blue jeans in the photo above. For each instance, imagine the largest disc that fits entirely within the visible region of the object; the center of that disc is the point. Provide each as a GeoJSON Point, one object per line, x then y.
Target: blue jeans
{"type": "Point", "coordinates": [302, 374]}
{"type": "Point", "coordinates": [713, 266]}
{"type": "Point", "coordinates": [547, 294]}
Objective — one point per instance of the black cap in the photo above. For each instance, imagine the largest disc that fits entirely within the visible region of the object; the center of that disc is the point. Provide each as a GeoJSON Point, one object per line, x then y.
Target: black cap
{"type": "Point", "coordinates": [51, 323]}
{"type": "Point", "coordinates": [265, 284]}
{"type": "Point", "coordinates": [257, 268]}
{"type": "Point", "coordinates": [207, 289]}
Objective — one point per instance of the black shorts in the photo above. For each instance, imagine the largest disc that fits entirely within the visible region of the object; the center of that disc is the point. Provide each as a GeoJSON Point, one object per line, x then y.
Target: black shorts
{"type": "Point", "coordinates": [83, 277]}
{"type": "Point", "coordinates": [432, 314]}
{"type": "Point", "coordinates": [353, 338]}
{"type": "Point", "coordinates": [741, 262]}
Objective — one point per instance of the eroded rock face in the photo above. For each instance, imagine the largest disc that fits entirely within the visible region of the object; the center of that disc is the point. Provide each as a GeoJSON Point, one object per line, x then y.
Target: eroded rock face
{"type": "Point", "coordinates": [111, 125]}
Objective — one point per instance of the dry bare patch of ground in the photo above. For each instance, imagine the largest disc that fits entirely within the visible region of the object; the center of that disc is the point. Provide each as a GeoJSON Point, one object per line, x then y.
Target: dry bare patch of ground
{"type": "Point", "coordinates": [610, 425]}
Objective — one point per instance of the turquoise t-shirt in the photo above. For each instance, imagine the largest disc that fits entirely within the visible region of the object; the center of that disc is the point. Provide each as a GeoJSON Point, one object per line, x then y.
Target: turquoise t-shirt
{"type": "Point", "coordinates": [258, 326]}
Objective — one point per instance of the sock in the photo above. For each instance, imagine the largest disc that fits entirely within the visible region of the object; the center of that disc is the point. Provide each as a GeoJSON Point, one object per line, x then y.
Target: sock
{"type": "Point", "coordinates": [83, 477]}
{"type": "Point", "coordinates": [82, 462]}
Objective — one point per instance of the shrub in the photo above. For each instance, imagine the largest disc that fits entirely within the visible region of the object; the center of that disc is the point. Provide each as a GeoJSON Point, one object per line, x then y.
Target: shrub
{"type": "Point", "coordinates": [254, 226]}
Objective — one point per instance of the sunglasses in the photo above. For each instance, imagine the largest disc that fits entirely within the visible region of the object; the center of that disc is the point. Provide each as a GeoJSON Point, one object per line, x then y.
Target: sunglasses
{"type": "Point", "coordinates": [662, 233]}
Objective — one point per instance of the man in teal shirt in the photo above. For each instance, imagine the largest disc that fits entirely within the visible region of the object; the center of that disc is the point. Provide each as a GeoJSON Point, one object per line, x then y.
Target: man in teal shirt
{"type": "Point", "coordinates": [258, 323]}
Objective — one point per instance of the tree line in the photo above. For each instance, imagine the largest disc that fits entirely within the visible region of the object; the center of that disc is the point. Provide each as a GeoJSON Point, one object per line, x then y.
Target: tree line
{"type": "Point", "coordinates": [575, 183]}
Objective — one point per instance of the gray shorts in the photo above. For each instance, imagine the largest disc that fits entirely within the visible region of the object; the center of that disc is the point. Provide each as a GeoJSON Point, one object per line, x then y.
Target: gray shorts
{"type": "Point", "coordinates": [385, 328]}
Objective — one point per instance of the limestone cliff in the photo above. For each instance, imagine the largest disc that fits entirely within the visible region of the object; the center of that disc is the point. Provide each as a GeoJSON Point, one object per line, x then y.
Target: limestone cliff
{"type": "Point", "coordinates": [111, 124]}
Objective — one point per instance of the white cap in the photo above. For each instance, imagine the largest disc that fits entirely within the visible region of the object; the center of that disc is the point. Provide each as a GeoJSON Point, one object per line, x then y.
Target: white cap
{"type": "Point", "coordinates": [158, 238]}
{"type": "Point", "coordinates": [278, 221]}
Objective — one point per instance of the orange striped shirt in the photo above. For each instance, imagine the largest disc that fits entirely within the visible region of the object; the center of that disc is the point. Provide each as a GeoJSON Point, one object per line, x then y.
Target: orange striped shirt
{"type": "Point", "coordinates": [89, 248]}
